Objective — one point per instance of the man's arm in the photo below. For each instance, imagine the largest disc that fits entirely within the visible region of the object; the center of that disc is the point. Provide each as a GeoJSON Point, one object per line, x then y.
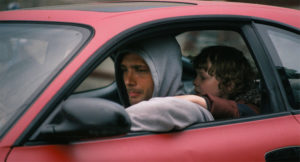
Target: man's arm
{"type": "Point", "coordinates": [162, 114]}
{"type": "Point", "coordinates": [195, 99]}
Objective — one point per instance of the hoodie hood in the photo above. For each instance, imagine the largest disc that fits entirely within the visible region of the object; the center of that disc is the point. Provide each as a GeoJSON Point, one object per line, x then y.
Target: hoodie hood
{"type": "Point", "coordinates": [163, 57]}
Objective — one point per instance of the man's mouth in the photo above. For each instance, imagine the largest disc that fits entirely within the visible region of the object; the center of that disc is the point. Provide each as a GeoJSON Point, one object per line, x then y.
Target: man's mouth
{"type": "Point", "coordinates": [134, 93]}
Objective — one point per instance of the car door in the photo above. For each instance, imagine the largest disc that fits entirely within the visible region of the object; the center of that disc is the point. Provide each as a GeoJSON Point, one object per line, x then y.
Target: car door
{"type": "Point", "coordinates": [282, 45]}
{"type": "Point", "coordinates": [244, 139]}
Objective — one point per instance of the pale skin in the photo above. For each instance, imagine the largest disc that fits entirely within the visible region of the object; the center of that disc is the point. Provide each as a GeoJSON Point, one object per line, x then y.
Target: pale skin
{"type": "Point", "coordinates": [137, 78]}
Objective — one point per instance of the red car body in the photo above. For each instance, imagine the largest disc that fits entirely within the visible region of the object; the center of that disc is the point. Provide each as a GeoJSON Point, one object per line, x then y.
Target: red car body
{"type": "Point", "coordinates": [240, 141]}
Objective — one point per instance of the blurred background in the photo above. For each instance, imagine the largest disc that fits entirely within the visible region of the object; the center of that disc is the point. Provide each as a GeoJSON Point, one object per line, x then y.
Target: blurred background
{"type": "Point", "coordinates": [16, 4]}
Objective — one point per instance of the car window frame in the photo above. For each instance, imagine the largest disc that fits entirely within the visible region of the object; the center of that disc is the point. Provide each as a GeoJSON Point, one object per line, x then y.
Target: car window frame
{"type": "Point", "coordinates": [242, 23]}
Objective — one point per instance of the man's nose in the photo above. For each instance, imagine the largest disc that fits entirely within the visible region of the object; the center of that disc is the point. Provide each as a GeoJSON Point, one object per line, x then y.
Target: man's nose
{"type": "Point", "coordinates": [130, 79]}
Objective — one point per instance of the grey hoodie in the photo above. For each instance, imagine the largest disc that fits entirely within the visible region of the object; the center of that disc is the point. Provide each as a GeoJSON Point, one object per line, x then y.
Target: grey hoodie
{"type": "Point", "coordinates": [161, 113]}
{"type": "Point", "coordinates": [163, 57]}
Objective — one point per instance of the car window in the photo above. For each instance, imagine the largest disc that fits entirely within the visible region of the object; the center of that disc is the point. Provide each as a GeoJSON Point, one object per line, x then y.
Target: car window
{"type": "Point", "coordinates": [191, 43]}
{"type": "Point", "coordinates": [285, 47]}
{"type": "Point", "coordinates": [102, 76]}
{"type": "Point", "coordinates": [30, 54]}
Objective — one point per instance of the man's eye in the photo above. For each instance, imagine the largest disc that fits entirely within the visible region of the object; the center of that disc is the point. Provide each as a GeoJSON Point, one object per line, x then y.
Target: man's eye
{"type": "Point", "coordinates": [142, 70]}
{"type": "Point", "coordinates": [202, 78]}
{"type": "Point", "coordinates": [123, 69]}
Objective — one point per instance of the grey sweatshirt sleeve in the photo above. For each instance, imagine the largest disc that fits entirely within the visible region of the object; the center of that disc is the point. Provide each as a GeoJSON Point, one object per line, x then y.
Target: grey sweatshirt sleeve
{"type": "Point", "coordinates": [162, 114]}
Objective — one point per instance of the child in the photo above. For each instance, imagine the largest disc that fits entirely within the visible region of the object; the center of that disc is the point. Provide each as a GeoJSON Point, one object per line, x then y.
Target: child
{"type": "Point", "coordinates": [225, 83]}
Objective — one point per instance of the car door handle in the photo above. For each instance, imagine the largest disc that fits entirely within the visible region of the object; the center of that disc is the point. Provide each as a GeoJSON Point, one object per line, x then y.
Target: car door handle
{"type": "Point", "coordinates": [289, 154]}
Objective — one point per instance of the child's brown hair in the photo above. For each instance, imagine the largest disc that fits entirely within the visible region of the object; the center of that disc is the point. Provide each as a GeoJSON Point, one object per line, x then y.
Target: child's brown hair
{"type": "Point", "coordinates": [229, 66]}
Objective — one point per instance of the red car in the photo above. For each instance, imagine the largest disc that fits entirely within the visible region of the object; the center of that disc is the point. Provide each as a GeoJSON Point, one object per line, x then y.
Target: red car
{"type": "Point", "coordinates": [57, 79]}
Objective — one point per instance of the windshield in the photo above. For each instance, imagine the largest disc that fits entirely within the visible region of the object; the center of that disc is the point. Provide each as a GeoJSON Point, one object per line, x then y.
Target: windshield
{"type": "Point", "coordinates": [30, 55]}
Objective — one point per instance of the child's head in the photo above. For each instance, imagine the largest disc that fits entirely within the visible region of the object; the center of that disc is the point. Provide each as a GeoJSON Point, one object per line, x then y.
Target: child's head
{"type": "Point", "coordinates": [222, 71]}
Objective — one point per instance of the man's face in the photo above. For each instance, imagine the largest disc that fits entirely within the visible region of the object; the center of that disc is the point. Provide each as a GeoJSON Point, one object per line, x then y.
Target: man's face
{"type": "Point", "coordinates": [137, 78]}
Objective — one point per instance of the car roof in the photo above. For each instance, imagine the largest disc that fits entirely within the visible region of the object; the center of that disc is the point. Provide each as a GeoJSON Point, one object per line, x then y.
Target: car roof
{"type": "Point", "coordinates": [151, 10]}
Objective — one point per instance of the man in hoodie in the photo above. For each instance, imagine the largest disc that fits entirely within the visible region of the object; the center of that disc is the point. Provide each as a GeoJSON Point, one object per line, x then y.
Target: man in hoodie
{"type": "Point", "coordinates": [146, 74]}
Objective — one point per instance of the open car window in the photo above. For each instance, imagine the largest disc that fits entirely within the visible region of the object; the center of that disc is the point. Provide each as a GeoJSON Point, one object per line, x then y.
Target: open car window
{"type": "Point", "coordinates": [191, 42]}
